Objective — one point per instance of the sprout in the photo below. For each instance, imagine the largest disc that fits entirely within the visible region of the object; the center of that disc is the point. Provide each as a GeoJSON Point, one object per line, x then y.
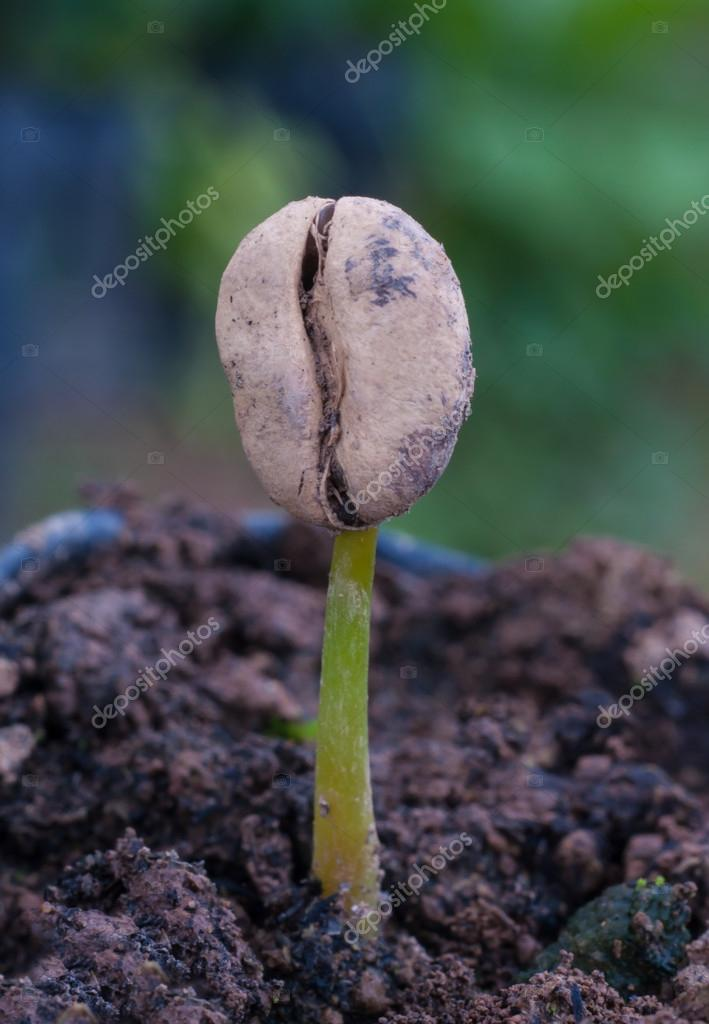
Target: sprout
{"type": "Point", "coordinates": [343, 334]}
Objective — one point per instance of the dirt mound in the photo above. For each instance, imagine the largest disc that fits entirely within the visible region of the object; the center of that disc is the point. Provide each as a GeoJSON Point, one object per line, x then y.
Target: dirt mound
{"type": "Point", "coordinates": [155, 807]}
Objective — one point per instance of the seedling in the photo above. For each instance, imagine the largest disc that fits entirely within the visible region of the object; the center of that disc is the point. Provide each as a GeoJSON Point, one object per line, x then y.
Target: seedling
{"type": "Point", "coordinates": [343, 334]}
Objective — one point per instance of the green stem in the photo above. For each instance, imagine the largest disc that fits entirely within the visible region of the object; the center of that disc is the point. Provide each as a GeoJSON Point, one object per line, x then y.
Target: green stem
{"type": "Point", "coordinates": [345, 849]}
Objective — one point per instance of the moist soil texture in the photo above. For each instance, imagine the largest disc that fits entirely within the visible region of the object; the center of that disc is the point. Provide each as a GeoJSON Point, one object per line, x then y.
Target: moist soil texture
{"type": "Point", "coordinates": [545, 849]}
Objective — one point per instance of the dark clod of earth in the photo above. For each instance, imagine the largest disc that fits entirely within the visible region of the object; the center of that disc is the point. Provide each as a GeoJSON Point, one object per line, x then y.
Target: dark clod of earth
{"type": "Point", "coordinates": [155, 835]}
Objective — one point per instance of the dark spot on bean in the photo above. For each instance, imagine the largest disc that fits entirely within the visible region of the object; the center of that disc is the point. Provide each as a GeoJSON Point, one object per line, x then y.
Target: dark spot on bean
{"type": "Point", "coordinates": [386, 284]}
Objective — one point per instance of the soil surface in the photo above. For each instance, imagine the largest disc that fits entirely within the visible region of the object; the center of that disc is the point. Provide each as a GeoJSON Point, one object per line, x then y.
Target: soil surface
{"type": "Point", "coordinates": [154, 849]}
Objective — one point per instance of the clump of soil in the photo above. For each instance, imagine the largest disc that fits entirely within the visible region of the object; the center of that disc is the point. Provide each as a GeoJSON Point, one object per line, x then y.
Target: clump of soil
{"type": "Point", "coordinates": [154, 858]}
{"type": "Point", "coordinates": [634, 932]}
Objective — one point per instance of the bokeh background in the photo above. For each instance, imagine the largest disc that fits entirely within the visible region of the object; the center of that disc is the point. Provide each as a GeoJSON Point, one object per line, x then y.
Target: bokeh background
{"type": "Point", "coordinates": [540, 142]}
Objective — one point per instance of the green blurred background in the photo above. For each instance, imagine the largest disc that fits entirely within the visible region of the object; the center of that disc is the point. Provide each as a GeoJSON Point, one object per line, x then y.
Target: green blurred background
{"type": "Point", "coordinates": [541, 143]}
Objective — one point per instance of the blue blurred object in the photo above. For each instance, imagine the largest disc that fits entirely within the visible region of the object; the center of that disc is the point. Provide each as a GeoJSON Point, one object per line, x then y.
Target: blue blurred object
{"type": "Point", "coordinates": [425, 559]}
{"type": "Point", "coordinates": [70, 536]}
{"type": "Point", "coordinates": [396, 548]}
{"type": "Point", "coordinates": [58, 540]}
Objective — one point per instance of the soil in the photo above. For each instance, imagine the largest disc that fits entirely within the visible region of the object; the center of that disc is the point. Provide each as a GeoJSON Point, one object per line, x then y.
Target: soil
{"type": "Point", "coordinates": [154, 869]}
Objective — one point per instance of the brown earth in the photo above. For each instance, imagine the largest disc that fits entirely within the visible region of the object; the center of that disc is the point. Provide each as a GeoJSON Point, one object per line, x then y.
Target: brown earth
{"type": "Point", "coordinates": [155, 870]}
